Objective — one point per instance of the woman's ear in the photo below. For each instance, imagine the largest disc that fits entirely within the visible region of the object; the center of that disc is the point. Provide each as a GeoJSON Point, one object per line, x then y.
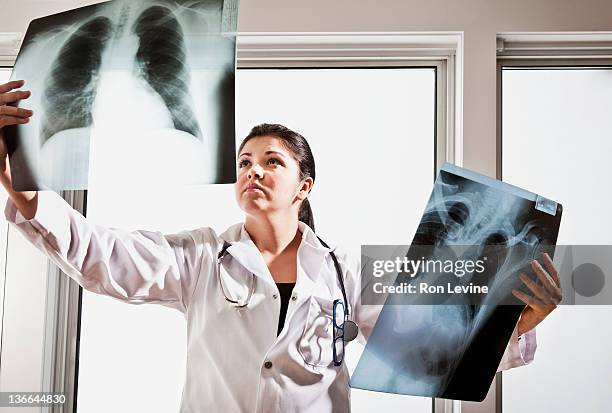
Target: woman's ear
{"type": "Point", "coordinates": [305, 188]}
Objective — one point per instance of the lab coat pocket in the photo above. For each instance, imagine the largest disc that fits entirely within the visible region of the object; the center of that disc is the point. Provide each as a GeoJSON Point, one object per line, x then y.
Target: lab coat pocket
{"type": "Point", "coordinates": [315, 345]}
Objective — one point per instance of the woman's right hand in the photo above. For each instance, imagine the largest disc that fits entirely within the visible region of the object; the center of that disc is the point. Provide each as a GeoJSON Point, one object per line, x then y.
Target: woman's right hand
{"type": "Point", "coordinates": [26, 201]}
{"type": "Point", "coordinates": [11, 115]}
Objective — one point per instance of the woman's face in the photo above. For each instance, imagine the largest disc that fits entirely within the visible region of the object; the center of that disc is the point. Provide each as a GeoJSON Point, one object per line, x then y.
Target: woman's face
{"type": "Point", "coordinates": [268, 178]}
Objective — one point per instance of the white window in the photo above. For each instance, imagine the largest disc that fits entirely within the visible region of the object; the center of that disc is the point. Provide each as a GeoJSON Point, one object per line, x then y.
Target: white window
{"type": "Point", "coordinates": [23, 291]}
{"type": "Point", "coordinates": [372, 132]}
{"type": "Point", "coordinates": [5, 73]}
{"type": "Point", "coordinates": [557, 141]}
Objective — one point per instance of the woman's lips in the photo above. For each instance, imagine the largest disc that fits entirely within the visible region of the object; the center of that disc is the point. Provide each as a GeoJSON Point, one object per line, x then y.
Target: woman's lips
{"type": "Point", "coordinates": [253, 188]}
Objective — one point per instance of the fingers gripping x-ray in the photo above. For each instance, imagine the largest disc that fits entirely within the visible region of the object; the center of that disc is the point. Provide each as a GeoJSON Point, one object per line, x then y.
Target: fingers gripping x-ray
{"type": "Point", "coordinates": [142, 82]}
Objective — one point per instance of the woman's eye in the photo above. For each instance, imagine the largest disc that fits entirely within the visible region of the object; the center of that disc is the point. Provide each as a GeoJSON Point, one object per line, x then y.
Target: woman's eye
{"type": "Point", "coordinates": [274, 159]}
{"type": "Point", "coordinates": [242, 163]}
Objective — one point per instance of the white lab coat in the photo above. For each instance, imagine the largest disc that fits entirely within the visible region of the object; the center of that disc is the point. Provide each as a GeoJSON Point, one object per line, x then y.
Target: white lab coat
{"type": "Point", "coordinates": [235, 361]}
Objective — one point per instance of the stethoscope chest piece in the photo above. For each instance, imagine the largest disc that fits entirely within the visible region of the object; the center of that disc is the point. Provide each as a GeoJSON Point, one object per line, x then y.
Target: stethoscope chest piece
{"type": "Point", "coordinates": [350, 330]}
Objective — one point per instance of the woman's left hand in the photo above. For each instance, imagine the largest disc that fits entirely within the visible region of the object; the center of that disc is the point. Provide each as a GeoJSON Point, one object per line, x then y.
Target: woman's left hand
{"type": "Point", "coordinates": [545, 298]}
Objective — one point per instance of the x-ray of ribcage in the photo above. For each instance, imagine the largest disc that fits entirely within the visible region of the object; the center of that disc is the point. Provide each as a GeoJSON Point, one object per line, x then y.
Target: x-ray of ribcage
{"type": "Point", "coordinates": [452, 349]}
{"type": "Point", "coordinates": [144, 86]}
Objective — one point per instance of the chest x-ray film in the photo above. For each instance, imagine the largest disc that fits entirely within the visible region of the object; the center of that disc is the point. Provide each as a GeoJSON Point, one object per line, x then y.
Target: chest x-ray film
{"type": "Point", "coordinates": [450, 346]}
{"type": "Point", "coordinates": [146, 85]}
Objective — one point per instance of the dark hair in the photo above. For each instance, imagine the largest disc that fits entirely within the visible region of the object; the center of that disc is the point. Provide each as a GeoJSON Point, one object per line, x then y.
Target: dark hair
{"type": "Point", "coordinates": [298, 145]}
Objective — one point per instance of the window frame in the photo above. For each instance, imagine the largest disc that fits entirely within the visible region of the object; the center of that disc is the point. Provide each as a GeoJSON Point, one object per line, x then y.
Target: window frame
{"type": "Point", "coordinates": [536, 50]}
{"type": "Point", "coordinates": [440, 50]}
{"type": "Point", "coordinates": [443, 51]}
{"type": "Point", "coordinates": [518, 51]}
{"type": "Point", "coordinates": [3, 267]}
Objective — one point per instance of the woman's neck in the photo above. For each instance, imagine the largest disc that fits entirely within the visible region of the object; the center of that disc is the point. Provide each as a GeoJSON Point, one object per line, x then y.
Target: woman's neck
{"type": "Point", "coordinates": [274, 234]}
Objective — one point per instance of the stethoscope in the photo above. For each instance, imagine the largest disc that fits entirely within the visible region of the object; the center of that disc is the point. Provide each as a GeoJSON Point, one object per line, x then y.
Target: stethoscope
{"type": "Point", "coordinates": [350, 327]}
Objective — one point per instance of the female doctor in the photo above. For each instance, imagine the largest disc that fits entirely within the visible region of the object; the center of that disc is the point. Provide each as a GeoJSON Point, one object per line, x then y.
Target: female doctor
{"type": "Point", "coordinates": [259, 299]}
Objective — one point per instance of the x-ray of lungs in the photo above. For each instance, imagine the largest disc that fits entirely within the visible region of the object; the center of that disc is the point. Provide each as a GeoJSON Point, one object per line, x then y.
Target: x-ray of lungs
{"type": "Point", "coordinates": [450, 346]}
{"type": "Point", "coordinates": [135, 91]}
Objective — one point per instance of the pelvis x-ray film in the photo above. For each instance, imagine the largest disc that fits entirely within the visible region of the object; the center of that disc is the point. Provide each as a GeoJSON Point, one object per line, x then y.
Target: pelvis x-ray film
{"type": "Point", "coordinates": [145, 85]}
{"type": "Point", "coordinates": [451, 348]}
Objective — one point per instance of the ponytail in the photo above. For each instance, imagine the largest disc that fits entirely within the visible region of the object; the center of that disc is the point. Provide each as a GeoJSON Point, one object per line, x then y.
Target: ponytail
{"type": "Point", "coordinates": [305, 214]}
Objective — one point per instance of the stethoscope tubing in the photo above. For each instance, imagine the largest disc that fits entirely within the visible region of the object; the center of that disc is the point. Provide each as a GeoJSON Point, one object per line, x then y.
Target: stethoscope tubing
{"type": "Point", "coordinates": [222, 253]}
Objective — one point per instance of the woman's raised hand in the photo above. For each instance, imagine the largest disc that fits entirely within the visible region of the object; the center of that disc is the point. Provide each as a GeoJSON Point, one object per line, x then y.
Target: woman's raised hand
{"type": "Point", "coordinates": [26, 201]}
{"type": "Point", "coordinates": [10, 114]}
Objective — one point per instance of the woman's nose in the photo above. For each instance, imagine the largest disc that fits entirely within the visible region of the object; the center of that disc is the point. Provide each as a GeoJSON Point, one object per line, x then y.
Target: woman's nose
{"type": "Point", "coordinates": [256, 170]}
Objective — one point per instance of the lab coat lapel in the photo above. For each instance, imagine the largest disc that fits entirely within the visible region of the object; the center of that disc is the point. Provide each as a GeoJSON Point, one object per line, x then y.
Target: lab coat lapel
{"type": "Point", "coordinates": [311, 253]}
{"type": "Point", "coordinates": [244, 250]}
